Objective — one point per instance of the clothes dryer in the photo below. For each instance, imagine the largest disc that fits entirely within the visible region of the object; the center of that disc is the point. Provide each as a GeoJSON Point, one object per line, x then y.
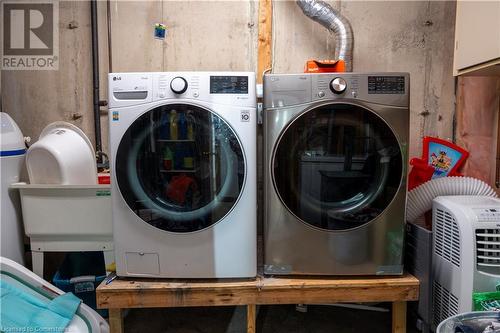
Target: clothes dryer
{"type": "Point", "coordinates": [335, 172]}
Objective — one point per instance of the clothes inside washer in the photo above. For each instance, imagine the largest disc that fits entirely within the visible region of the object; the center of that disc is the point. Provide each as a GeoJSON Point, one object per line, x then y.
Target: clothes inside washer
{"type": "Point", "coordinates": [181, 188]}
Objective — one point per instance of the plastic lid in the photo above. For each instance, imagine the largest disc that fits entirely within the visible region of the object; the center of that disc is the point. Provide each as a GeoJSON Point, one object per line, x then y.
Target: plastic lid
{"type": "Point", "coordinates": [11, 139]}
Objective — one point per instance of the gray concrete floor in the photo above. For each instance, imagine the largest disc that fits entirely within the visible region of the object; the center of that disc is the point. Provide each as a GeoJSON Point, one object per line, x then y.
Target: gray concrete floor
{"type": "Point", "coordinates": [270, 319]}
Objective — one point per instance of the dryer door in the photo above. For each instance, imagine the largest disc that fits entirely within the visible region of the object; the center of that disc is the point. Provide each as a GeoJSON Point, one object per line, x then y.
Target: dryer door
{"type": "Point", "coordinates": [337, 167]}
{"type": "Point", "coordinates": [180, 168]}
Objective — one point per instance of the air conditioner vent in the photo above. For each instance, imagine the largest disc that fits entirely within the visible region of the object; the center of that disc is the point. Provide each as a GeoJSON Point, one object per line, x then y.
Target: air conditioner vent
{"type": "Point", "coordinates": [447, 243]}
{"type": "Point", "coordinates": [488, 250]}
{"type": "Point", "coordinates": [445, 303]}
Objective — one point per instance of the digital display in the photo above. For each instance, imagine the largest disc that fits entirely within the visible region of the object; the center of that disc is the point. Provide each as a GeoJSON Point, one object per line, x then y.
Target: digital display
{"type": "Point", "coordinates": [229, 84]}
{"type": "Point", "coordinates": [386, 84]}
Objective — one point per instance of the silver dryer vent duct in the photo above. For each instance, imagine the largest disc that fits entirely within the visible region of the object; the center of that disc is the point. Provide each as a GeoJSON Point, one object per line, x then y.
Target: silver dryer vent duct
{"type": "Point", "coordinates": [331, 19]}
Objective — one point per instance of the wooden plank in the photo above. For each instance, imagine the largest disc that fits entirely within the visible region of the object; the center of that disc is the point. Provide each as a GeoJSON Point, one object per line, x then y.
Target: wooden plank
{"type": "Point", "coordinates": [251, 315]}
{"type": "Point", "coordinates": [115, 321]}
{"type": "Point", "coordinates": [156, 293]}
{"type": "Point", "coordinates": [264, 56]}
{"type": "Point", "coordinates": [398, 317]}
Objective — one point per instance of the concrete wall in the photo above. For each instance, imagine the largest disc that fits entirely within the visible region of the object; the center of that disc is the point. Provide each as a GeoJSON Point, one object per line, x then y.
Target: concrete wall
{"type": "Point", "coordinates": [414, 36]}
{"type": "Point", "coordinates": [37, 98]}
{"type": "Point", "coordinates": [408, 36]}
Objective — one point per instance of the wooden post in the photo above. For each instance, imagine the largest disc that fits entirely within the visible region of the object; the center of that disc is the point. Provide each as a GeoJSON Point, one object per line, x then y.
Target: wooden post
{"type": "Point", "coordinates": [115, 321]}
{"type": "Point", "coordinates": [264, 58]}
{"type": "Point", "coordinates": [251, 315]}
{"type": "Point", "coordinates": [398, 317]}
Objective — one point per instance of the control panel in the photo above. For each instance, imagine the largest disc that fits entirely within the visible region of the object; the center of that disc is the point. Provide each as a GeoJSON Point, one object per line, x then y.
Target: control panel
{"type": "Point", "coordinates": [228, 84]}
{"type": "Point", "coordinates": [225, 88]}
{"type": "Point", "coordinates": [283, 90]}
{"type": "Point", "coordinates": [487, 214]}
{"type": "Point", "coordinates": [386, 84]}
{"type": "Point", "coordinates": [237, 88]}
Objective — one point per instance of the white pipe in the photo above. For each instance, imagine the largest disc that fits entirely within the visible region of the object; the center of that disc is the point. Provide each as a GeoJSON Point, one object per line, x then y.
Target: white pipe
{"type": "Point", "coordinates": [420, 198]}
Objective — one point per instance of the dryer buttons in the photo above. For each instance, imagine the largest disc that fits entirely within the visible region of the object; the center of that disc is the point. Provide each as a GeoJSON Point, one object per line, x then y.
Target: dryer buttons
{"type": "Point", "coordinates": [321, 94]}
{"type": "Point", "coordinates": [338, 85]}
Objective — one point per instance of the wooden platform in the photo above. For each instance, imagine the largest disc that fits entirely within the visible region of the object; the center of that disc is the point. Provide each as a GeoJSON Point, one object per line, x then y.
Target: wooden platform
{"type": "Point", "coordinates": [146, 293]}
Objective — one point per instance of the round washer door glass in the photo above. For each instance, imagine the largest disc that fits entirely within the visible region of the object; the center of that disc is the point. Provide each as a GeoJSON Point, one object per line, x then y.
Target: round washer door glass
{"type": "Point", "coordinates": [180, 168]}
{"type": "Point", "coordinates": [337, 167]}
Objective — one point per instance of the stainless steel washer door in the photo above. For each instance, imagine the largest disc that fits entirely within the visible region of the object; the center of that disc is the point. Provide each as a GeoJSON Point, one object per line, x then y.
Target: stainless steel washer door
{"type": "Point", "coordinates": [337, 166]}
{"type": "Point", "coordinates": [180, 168]}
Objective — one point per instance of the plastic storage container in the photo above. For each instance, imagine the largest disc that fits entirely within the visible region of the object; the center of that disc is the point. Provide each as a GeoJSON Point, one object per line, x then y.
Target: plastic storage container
{"type": "Point", "coordinates": [470, 322]}
{"type": "Point", "coordinates": [62, 155]}
{"type": "Point", "coordinates": [56, 216]}
{"type": "Point", "coordinates": [81, 273]}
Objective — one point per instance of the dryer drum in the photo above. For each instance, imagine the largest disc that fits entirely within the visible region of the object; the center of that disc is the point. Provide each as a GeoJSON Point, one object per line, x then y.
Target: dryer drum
{"type": "Point", "coordinates": [215, 181]}
{"type": "Point", "coordinates": [359, 200]}
{"type": "Point", "coordinates": [337, 166]}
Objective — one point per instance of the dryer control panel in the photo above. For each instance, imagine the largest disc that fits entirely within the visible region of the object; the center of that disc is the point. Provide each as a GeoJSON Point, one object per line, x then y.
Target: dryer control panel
{"type": "Point", "coordinates": [282, 90]}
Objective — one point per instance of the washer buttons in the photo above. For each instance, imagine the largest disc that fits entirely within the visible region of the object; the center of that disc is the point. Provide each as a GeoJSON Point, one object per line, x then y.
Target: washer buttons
{"type": "Point", "coordinates": [321, 94]}
{"type": "Point", "coordinates": [195, 94]}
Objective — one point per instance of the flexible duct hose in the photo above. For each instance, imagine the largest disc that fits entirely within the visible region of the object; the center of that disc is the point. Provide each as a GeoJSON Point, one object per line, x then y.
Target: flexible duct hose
{"type": "Point", "coordinates": [420, 198]}
{"type": "Point", "coordinates": [331, 19]}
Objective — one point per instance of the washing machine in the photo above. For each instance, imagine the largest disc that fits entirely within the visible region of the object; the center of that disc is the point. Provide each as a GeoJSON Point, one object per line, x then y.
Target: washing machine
{"type": "Point", "coordinates": [183, 162]}
{"type": "Point", "coordinates": [335, 149]}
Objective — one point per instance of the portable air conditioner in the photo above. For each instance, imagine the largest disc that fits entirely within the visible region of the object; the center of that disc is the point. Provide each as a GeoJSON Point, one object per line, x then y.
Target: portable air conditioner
{"type": "Point", "coordinates": [466, 252]}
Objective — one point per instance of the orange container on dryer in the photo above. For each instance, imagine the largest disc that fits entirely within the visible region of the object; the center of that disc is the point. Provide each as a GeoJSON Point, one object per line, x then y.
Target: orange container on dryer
{"type": "Point", "coordinates": [324, 66]}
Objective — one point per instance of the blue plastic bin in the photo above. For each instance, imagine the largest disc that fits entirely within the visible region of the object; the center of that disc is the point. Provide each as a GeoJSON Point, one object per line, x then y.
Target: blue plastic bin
{"type": "Point", "coordinates": [81, 273]}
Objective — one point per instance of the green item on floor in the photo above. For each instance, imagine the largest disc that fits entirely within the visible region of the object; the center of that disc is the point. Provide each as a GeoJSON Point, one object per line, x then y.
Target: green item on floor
{"type": "Point", "coordinates": [488, 301]}
{"type": "Point", "coordinates": [23, 312]}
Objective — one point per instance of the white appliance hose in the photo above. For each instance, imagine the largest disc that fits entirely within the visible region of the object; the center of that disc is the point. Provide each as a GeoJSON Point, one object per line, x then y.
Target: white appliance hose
{"type": "Point", "coordinates": [420, 198]}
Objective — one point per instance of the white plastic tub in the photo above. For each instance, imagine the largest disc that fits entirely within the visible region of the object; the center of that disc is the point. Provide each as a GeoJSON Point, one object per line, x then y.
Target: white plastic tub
{"type": "Point", "coordinates": [66, 218]}
{"type": "Point", "coordinates": [63, 155]}
{"type": "Point", "coordinates": [66, 213]}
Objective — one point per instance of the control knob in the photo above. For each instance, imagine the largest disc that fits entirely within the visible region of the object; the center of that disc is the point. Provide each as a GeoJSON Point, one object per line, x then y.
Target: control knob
{"type": "Point", "coordinates": [178, 85]}
{"type": "Point", "coordinates": [338, 85]}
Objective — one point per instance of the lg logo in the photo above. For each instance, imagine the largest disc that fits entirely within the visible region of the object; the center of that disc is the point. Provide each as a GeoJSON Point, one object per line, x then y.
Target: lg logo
{"type": "Point", "coordinates": [30, 35]}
